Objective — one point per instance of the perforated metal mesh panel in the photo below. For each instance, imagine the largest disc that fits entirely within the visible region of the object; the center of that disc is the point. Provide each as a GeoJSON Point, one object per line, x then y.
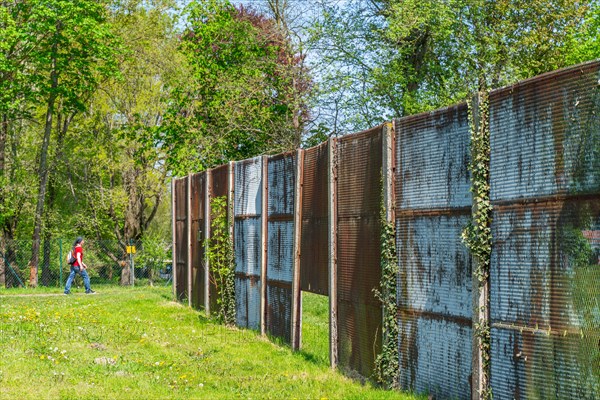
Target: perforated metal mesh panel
{"type": "Point", "coordinates": [197, 240]}
{"type": "Point", "coordinates": [280, 240]}
{"type": "Point", "coordinates": [247, 238]}
{"type": "Point", "coordinates": [181, 240]}
{"type": "Point", "coordinates": [434, 282]}
{"type": "Point", "coordinates": [359, 189]}
{"type": "Point", "coordinates": [314, 251]}
{"type": "Point", "coordinates": [545, 270]}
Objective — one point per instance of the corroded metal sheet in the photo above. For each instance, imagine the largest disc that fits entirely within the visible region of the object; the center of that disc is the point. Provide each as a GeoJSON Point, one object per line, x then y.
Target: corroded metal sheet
{"type": "Point", "coordinates": [248, 241]}
{"type": "Point", "coordinates": [545, 185]}
{"type": "Point", "coordinates": [435, 356]}
{"type": "Point", "coordinates": [197, 240]}
{"type": "Point", "coordinates": [247, 301]}
{"type": "Point", "coordinates": [544, 135]}
{"type": "Point", "coordinates": [248, 187]}
{"type": "Point", "coordinates": [434, 282]}
{"type": "Point", "coordinates": [432, 160]}
{"type": "Point", "coordinates": [181, 239]}
{"type": "Point", "coordinates": [359, 194]}
{"type": "Point", "coordinates": [280, 244]}
{"type": "Point", "coordinates": [314, 250]}
{"type": "Point", "coordinates": [435, 273]}
{"type": "Point", "coordinates": [219, 187]}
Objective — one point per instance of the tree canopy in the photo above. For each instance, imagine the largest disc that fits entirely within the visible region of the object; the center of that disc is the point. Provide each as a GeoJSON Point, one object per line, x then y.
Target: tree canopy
{"type": "Point", "coordinates": [102, 102]}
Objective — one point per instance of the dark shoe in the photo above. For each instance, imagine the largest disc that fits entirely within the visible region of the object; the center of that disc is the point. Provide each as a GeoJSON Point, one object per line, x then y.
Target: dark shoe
{"type": "Point", "coordinates": [90, 292]}
{"type": "Point", "coordinates": [67, 293]}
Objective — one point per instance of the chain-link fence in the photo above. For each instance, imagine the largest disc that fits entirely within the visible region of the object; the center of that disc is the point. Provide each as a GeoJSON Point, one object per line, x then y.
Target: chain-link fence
{"type": "Point", "coordinates": [142, 262]}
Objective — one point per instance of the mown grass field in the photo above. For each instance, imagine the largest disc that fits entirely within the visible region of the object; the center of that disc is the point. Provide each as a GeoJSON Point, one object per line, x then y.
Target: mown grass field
{"type": "Point", "coordinates": [138, 344]}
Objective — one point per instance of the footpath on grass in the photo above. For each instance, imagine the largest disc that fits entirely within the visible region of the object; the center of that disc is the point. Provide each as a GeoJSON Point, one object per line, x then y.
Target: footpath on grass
{"type": "Point", "coordinates": [131, 343]}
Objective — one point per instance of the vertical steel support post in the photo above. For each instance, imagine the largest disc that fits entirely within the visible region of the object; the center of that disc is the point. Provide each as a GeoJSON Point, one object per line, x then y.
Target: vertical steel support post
{"type": "Point", "coordinates": [207, 221]}
{"type": "Point", "coordinates": [332, 206]}
{"type": "Point", "coordinates": [189, 237]}
{"type": "Point", "coordinates": [264, 245]}
{"type": "Point", "coordinates": [174, 243]}
{"type": "Point", "coordinates": [296, 294]}
{"type": "Point", "coordinates": [481, 293]}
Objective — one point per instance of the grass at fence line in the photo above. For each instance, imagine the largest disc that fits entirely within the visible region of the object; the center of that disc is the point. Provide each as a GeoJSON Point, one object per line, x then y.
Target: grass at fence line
{"type": "Point", "coordinates": [135, 343]}
{"type": "Point", "coordinates": [315, 328]}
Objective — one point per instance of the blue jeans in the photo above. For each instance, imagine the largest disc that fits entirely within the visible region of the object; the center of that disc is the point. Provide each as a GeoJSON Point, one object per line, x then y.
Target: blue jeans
{"type": "Point", "coordinates": [84, 275]}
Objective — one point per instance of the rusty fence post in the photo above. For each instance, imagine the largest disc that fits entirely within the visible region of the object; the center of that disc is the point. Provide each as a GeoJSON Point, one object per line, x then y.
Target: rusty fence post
{"type": "Point", "coordinates": [481, 293]}
{"type": "Point", "coordinates": [207, 222]}
{"type": "Point", "coordinates": [189, 237]}
{"type": "Point", "coordinates": [174, 242]}
{"type": "Point", "coordinates": [296, 293]}
{"type": "Point", "coordinates": [332, 208]}
{"type": "Point", "coordinates": [264, 244]}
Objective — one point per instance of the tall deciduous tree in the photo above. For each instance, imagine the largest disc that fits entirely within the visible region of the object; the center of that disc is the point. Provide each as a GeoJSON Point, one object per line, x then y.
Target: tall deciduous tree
{"type": "Point", "coordinates": [246, 93]}
{"type": "Point", "coordinates": [388, 58]}
{"type": "Point", "coordinates": [72, 50]}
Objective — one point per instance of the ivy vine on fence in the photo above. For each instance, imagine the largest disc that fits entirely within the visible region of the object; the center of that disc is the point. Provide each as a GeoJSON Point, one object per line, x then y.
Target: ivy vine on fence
{"type": "Point", "coordinates": [387, 364]}
{"type": "Point", "coordinates": [221, 260]}
{"type": "Point", "coordinates": [478, 234]}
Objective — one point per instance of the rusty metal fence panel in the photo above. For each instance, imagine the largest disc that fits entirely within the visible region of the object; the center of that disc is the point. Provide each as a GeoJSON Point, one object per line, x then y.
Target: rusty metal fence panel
{"type": "Point", "coordinates": [181, 240]}
{"type": "Point", "coordinates": [434, 283]}
{"type": "Point", "coordinates": [314, 250]}
{"type": "Point", "coordinates": [198, 295]}
{"type": "Point", "coordinates": [248, 241]}
{"type": "Point", "coordinates": [280, 240]}
{"type": "Point", "coordinates": [219, 187]}
{"type": "Point", "coordinates": [545, 267]}
{"type": "Point", "coordinates": [359, 194]}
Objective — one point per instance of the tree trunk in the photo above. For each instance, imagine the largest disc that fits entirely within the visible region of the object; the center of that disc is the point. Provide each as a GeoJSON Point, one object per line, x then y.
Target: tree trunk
{"type": "Point", "coordinates": [46, 274]}
{"type": "Point", "coordinates": [3, 138]}
{"type": "Point", "coordinates": [43, 172]}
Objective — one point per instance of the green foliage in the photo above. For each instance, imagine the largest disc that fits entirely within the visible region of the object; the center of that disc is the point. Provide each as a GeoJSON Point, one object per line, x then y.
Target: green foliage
{"type": "Point", "coordinates": [245, 93]}
{"type": "Point", "coordinates": [221, 260]}
{"type": "Point", "coordinates": [478, 234]}
{"type": "Point", "coordinates": [387, 362]}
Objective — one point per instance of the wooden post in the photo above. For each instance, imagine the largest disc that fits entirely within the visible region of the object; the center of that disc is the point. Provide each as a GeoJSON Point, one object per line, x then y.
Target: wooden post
{"type": "Point", "coordinates": [189, 238]}
{"type": "Point", "coordinates": [207, 221]}
{"type": "Point", "coordinates": [264, 245]}
{"type": "Point", "coordinates": [174, 243]}
{"type": "Point", "coordinates": [332, 196]}
{"type": "Point", "coordinates": [230, 200]}
{"type": "Point", "coordinates": [296, 294]}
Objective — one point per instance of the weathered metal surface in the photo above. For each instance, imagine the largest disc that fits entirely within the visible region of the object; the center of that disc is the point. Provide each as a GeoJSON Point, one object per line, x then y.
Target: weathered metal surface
{"type": "Point", "coordinates": [280, 258]}
{"type": "Point", "coordinates": [434, 282]}
{"type": "Point", "coordinates": [314, 237]}
{"type": "Point", "coordinates": [181, 289]}
{"type": "Point", "coordinates": [198, 295]}
{"type": "Point", "coordinates": [219, 182]}
{"type": "Point", "coordinates": [435, 356]}
{"type": "Point", "coordinates": [359, 201]}
{"type": "Point", "coordinates": [544, 135]}
{"type": "Point", "coordinates": [432, 159]}
{"type": "Point", "coordinates": [247, 301]}
{"type": "Point", "coordinates": [435, 273]}
{"type": "Point", "coordinates": [247, 239]}
{"type": "Point", "coordinates": [545, 185]}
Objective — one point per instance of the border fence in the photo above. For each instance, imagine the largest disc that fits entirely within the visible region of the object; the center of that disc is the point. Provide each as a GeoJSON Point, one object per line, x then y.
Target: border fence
{"type": "Point", "coordinates": [310, 221]}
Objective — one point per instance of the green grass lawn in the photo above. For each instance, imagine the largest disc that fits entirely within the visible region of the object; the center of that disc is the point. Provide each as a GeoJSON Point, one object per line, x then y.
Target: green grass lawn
{"type": "Point", "coordinates": [138, 344]}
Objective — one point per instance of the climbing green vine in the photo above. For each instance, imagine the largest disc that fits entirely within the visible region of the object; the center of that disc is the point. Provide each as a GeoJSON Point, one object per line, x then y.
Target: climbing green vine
{"type": "Point", "coordinates": [221, 260]}
{"type": "Point", "coordinates": [386, 363]}
{"type": "Point", "coordinates": [478, 234]}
